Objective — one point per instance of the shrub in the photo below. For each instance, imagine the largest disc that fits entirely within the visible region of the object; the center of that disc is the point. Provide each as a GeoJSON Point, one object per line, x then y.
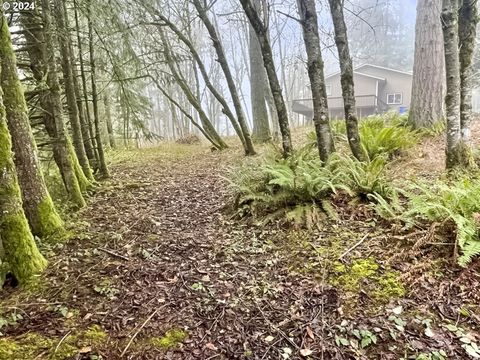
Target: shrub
{"type": "Point", "coordinates": [380, 137]}
{"type": "Point", "coordinates": [300, 187]}
{"type": "Point", "coordinates": [384, 135]}
{"type": "Point", "coordinates": [457, 202]}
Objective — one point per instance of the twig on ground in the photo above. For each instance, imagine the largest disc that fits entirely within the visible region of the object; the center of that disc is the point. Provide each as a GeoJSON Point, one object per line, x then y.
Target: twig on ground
{"type": "Point", "coordinates": [61, 340]}
{"type": "Point", "coordinates": [353, 247]}
{"type": "Point", "coordinates": [114, 254]}
{"type": "Point", "coordinates": [140, 329]}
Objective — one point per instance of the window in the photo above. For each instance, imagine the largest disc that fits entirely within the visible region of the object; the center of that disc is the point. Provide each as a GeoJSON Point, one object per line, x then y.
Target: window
{"type": "Point", "coordinates": [329, 90]}
{"type": "Point", "coordinates": [394, 99]}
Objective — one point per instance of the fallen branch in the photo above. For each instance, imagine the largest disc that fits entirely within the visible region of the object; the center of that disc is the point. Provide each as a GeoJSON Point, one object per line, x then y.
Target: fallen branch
{"type": "Point", "coordinates": [114, 254]}
{"type": "Point", "coordinates": [353, 247]}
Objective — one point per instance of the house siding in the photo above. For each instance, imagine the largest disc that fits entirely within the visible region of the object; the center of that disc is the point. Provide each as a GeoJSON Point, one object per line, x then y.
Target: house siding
{"type": "Point", "coordinates": [396, 82]}
{"type": "Point", "coordinates": [380, 83]}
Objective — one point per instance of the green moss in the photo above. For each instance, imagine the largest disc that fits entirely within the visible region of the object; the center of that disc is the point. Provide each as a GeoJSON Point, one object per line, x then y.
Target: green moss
{"type": "Point", "coordinates": [171, 339]}
{"type": "Point", "coordinates": [94, 335]}
{"type": "Point", "coordinates": [21, 252]}
{"type": "Point", "coordinates": [35, 346]}
{"type": "Point", "coordinates": [49, 219]}
{"type": "Point", "coordinates": [83, 181]}
{"type": "Point", "coordinates": [389, 286]}
{"type": "Point", "coordinates": [351, 279]}
{"type": "Point", "coordinates": [364, 275]}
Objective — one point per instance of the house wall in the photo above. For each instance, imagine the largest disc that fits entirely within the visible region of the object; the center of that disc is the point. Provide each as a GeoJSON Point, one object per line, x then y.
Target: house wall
{"type": "Point", "coordinates": [396, 82]}
{"type": "Point", "coordinates": [363, 85]}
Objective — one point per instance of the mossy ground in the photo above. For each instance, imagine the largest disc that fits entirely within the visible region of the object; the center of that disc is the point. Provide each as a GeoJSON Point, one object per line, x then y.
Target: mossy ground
{"type": "Point", "coordinates": [34, 345]}
{"type": "Point", "coordinates": [172, 338]}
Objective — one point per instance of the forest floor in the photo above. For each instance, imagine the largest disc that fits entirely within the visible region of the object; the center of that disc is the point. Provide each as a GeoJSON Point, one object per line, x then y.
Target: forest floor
{"type": "Point", "coordinates": [161, 270]}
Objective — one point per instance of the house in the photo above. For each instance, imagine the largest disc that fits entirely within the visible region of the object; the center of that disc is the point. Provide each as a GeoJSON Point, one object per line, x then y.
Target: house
{"type": "Point", "coordinates": [377, 90]}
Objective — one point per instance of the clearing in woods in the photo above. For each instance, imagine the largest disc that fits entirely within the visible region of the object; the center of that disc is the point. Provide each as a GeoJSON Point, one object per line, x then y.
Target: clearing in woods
{"type": "Point", "coordinates": [164, 271]}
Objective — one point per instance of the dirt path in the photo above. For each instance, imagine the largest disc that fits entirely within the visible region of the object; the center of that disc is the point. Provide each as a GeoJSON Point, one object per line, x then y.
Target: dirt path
{"type": "Point", "coordinates": [164, 273]}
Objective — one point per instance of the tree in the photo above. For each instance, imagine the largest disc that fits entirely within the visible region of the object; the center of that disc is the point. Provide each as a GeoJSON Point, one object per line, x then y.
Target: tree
{"type": "Point", "coordinates": [108, 120]}
{"type": "Point", "coordinates": [102, 164]}
{"type": "Point", "coordinates": [308, 20]}
{"type": "Point", "coordinates": [37, 203]}
{"type": "Point", "coordinates": [346, 77]}
{"type": "Point", "coordinates": [258, 85]}
{"type": "Point", "coordinates": [459, 42]}
{"type": "Point", "coordinates": [262, 35]}
{"type": "Point", "coordinates": [249, 150]}
{"type": "Point", "coordinates": [428, 87]}
{"type": "Point", "coordinates": [86, 124]}
{"type": "Point", "coordinates": [67, 67]}
{"type": "Point", "coordinates": [194, 101]}
{"type": "Point", "coordinates": [467, 31]}
{"type": "Point", "coordinates": [72, 175]}
{"type": "Point", "coordinates": [21, 252]}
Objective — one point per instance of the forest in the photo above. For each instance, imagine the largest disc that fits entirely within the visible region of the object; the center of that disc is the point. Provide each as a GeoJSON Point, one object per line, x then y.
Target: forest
{"type": "Point", "coordinates": [239, 179]}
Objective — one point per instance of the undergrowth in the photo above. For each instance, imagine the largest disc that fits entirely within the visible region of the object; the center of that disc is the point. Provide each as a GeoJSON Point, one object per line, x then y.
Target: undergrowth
{"type": "Point", "coordinates": [300, 188]}
{"type": "Point", "coordinates": [446, 203]}
{"type": "Point", "coordinates": [380, 135]}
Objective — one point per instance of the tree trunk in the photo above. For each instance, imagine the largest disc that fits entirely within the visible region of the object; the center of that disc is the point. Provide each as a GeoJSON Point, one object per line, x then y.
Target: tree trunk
{"type": "Point", "coordinates": [102, 164]}
{"type": "Point", "coordinates": [346, 78]}
{"type": "Point", "coordinates": [428, 87]}
{"type": "Point", "coordinates": [249, 150]}
{"type": "Point", "coordinates": [108, 119]}
{"type": "Point", "coordinates": [73, 177]}
{"type": "Point", "coordinates": [258, 83]}
{"type": "Point", "coordinates": [66, 57]}
{"type": "Point", "coordinates": [207, 125]}
{"type": "Point", "coordinates": [308, 16]}
{"type": "Point", "coordinates": [40, 50]}
{"type": "Point", "coordinates": [452, 67]}
{"type": "Point", "coordinates": [87, 128]}
{"type": "Point", "coordinates": [262, 35]}
{"type": "Point", "coordinates": [226, 109]}
{"type": "Point", "coordinates": [37, 203]}
{"type": "Point", "coordinates": [18, 243]}
{"type": "Point", "coordinates": [467, 31]}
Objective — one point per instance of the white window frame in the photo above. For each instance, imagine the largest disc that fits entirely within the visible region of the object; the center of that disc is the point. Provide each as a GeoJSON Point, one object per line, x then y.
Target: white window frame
{"type": "Point", "coordinates": [328, 89]}
{"type": "Point", "coordinates": [394, 96]}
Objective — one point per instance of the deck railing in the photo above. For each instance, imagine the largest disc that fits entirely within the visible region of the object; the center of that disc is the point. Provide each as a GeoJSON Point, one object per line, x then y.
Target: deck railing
{"type": "Point", "coordinates": [335, 103]}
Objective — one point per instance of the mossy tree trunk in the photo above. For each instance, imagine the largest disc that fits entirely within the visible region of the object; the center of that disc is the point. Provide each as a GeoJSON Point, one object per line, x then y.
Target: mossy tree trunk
{"type": "Point", "coordinates": [37, 203]}
{"type": "Point", "coordinates": [102, 164]}
{"type": "Point", "coordinates": [21, 252]}
{"type": "Point", "coordinates": [73, 177]}
{"type": "Point", "coordinates": [86, 124]}
{"type": "Point", "coordinates": [42, 63]}
{"type": "Point", "coordinates": [261, 30]}
{"type": "Point", "coordinates": [308, 19]}
{"type": "Point", "coordinates": [67, 65]}
{"type": "Point", "coordinates": [346, 78]}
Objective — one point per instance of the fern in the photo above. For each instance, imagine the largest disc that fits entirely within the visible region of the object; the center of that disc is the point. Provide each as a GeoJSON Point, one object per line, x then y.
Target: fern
{"type": "Point", "coordinates": [386, 135]}
{"type": "Point", "coordinates": [379, 138]}
{"type": "Point", "coordinates": [299, 187]}
{"type": "Point", "coordinates": [457, 202]}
